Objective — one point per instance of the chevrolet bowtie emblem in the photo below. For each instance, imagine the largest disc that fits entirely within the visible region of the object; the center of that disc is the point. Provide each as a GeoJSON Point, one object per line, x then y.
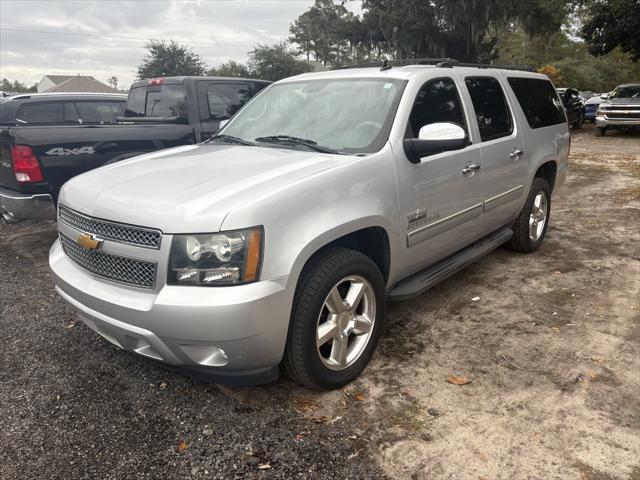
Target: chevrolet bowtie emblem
{"type": "Point", "coordinates": [89, 242]}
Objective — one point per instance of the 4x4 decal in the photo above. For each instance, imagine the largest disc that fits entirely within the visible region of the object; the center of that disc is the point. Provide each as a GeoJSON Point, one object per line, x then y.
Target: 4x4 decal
{"type": "Point", "coordinates": [88, 150]}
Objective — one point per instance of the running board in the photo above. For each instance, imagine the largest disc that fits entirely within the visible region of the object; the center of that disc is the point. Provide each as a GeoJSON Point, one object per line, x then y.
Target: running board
{"type": "Point", "coordinates": [427, 278]}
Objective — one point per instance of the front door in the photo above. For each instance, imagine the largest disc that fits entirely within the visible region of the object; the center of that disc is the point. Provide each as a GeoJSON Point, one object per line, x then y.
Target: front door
{"type": "Point", "coordinates": [504, 158]}
{"type": "Point", "coordinates": [440, 197]}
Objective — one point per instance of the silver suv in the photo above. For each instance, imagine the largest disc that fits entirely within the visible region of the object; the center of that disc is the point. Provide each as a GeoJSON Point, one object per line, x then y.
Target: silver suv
{"type": "Point", "coordinates": [277, 243]}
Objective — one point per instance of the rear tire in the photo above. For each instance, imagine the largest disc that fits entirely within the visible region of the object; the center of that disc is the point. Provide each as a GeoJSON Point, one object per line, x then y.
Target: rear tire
{"type": "Point", "coordinates": [530, 228]}
{"type": "Point", "coordinates": [321, 351]}
{"type": "Point", "coordinates": [600, 131]}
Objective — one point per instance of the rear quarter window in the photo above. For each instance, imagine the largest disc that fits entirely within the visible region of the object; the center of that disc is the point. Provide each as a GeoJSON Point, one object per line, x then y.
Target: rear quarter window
{"type": "Point", "coordinates": [539, 101]}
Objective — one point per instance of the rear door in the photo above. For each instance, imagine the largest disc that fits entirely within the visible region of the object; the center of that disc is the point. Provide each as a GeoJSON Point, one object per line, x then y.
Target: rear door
{"type": "Point", "coordinates": [504, 159]}
{"type": "Point", "coordinates": [220, 101]}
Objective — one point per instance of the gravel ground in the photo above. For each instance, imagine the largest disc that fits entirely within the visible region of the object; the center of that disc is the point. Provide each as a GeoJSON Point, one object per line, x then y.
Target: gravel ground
{"type": "Point", "coordinates": [550, 347]}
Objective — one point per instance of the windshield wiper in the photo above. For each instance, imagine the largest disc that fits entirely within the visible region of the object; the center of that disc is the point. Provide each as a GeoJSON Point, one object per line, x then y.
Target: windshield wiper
{"type": "Point", "coordinates": [288, 139]}
{"type": "Point", "coordinates": [230, 139]}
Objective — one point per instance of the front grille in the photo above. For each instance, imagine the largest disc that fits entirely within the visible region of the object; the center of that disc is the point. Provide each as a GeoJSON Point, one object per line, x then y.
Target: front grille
{"type": "Point", "coordinates": [120, 232]}
{"type": "Point", "coordinates": [623, 116]}
{"type": "Point", "coordinates": [140, 273]}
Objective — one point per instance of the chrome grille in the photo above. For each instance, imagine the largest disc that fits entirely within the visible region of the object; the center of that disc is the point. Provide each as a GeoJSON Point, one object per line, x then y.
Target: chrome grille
{"type": "Point", "coordinates": [140, 273]}
{"type": "Point", "coordinates": [120, 232]}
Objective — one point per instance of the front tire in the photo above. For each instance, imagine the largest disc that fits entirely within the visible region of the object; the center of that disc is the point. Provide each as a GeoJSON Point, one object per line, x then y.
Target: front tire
{"type": "Point", "coordinates": [336, 321]}
{"type": "Point", "coordinates": [600, 131]}
{"type": "Point", "coordinates": [530, 228]}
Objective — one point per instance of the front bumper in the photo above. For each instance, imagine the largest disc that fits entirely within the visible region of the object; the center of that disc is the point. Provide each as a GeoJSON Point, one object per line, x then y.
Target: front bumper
{"type": "Point", "coordinates": [231, 334]}
{"type": "Point", "coordinates": [603, 121]}
{"type": "Point", "coordinates": [21, 206]}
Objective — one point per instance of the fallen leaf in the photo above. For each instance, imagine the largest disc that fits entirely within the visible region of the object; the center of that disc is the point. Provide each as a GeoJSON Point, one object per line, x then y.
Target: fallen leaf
{"type": "Point", "coordinates": [264, 466]}
{"type": "Point", "coordinates": [299, 437]}
{"type": "Point", "coordinates": [359, 397]}
{"type": "Point", "coordinates": [320, 419]}
{"type": "Point", "coordinates": [70, 326]}
{"type": "Point", "coordinates": [302, 405]}
{"type": "Point", "coordinates": [163, 385]}
{"type": "Point", "coordinates": [182, 446]}
{"type": "Point", "coordinates": [475, 299]}
{"type": "Point", "coordinates": [456, 380]}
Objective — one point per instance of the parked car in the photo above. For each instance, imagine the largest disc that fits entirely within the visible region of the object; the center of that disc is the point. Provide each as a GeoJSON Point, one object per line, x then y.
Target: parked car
{"type": "Point", "coordinates": [62, 109]}
{"type": "Point", "coordinates": [591, 107]}
{"type": "Point", "coordinates": [574, 105]}
{"type": "Point", "coordinates": [279, 241]}
{"type": "Point", "coordinates": [45, 140]}
{"type": "Point", "coordinates": [620, 110]}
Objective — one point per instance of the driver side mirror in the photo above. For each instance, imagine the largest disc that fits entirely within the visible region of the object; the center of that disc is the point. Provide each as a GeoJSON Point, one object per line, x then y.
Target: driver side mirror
{"type": "Point", "coordinates": [435, 138]}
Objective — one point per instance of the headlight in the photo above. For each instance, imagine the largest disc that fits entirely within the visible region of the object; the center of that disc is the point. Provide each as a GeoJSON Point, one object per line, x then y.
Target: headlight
{"type": "Point", "coordinates": [226, 258]}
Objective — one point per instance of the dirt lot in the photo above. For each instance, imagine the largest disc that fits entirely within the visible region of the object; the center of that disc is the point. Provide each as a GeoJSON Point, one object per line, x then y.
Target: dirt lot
{"type": "Point", "coordinates": [551, 349]}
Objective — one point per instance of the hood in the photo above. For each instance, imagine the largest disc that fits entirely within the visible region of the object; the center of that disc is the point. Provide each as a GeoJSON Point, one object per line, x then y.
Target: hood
{"type": "Point", "coordinates": [624, 101]}
{"type": "Point", "coordinates": [190, 189]}
{"type": "Point", "coordinates": [594, 101]}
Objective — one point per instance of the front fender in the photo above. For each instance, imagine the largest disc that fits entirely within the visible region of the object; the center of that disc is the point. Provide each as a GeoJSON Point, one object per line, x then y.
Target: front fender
{"type": "Point", "coordinates": [304, 217]}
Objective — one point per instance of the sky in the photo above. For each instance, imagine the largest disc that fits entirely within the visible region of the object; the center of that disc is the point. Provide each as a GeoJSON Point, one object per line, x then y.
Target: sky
{"type": "Point", "coordinates": [102, 38]}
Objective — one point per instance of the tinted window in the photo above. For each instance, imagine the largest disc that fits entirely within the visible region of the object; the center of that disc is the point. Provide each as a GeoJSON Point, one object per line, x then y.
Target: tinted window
{"type": "Point", "coordinates": [41, 113]}
{"type": "Point", "coordinates": [99, 112]}
{"type": "Point", "coordinates": [539, 101]}
{"type": "Point", "coordinates": [157, 101]}
{"type": "Point", "coordinates": [226, 99]}
{"type": "Point", "coordinates": [437, 101]}
{"type": "Point", "coordinates": [492, 112]}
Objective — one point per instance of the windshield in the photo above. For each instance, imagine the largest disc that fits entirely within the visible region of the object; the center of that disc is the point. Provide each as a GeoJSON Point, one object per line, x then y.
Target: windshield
{"type": "Point", "coordinates": [157, 101]}
{"type": "Point", "coordinates": [347, 115]}
{"type": "Point", "coordinates": [631, 91]}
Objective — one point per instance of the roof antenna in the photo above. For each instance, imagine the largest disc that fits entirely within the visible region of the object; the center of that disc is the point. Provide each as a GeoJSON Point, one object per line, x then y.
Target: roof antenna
{"type": "Point", "coordinates": [385, 65]}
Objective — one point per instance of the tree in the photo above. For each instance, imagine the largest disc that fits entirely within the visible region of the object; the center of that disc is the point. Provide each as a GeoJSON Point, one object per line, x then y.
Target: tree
{"type": "Point", "coordinates": [16, 86]}
{"type": "Point", "coordinates": [168, 59]}
{"type": "Point", "coordinates": [553, 73]}
{"type": "Point", "coordinates": [230, 69]}
{"type": "Point", "coordinates": [113, 82]}
{"type": "Point", "coordinates": [275, 62]}
{"type": "Point", "coordinates": [611, 24]}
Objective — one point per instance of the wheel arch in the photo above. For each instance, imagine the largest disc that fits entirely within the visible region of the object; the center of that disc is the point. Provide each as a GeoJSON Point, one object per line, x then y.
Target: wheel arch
{"type": "Point", "coordinates": [370, 238]}
{"type": "Point", "coordinates": [549, 171]}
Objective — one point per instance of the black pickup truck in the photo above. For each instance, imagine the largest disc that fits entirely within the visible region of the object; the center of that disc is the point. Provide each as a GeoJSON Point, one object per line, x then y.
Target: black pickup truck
{"type": "Point", "coordinates": [37, 157]}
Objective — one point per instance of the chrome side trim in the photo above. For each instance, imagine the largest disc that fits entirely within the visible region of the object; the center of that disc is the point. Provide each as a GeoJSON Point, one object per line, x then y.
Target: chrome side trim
{"type": "Point", "coordinates": [503, 198]}
{"type": "Point", "coordinates": [432, 229]}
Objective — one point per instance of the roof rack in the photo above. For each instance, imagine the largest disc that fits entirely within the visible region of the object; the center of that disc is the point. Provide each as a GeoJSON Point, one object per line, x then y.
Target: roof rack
{"type": "Point", "coordinates": [438, 62]}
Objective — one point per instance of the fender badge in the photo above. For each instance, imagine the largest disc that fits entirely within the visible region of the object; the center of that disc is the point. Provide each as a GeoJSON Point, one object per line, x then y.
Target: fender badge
{"type": "Point", "coordinates": [89, 242]}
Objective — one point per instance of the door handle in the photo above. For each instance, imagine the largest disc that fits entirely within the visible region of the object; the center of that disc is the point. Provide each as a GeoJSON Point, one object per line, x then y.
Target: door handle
{"type": "Point", "coordinates": [516, 154]}
{"type": "Point", "coordinates": [471, 169]}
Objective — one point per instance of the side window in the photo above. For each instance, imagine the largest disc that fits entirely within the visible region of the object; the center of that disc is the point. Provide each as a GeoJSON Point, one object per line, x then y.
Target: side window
{"type": "Point", "coordinates": [539, 101]}
{"type": "Point", "coordinates": [226, 99]}
{"type": "Point", "coordinates": [490, 105]}
{"type": "Point", "coordinates": [99, 112]}
{"type": "Point", "coordinates": [48, 112]}
{"type": "Point", "coordinates": [437, 101]}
